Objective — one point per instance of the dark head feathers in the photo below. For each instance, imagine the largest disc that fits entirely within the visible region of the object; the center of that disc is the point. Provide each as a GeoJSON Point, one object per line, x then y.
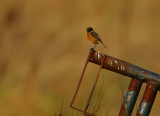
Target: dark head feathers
{"type": "Point", "coordinates": [89, 29]}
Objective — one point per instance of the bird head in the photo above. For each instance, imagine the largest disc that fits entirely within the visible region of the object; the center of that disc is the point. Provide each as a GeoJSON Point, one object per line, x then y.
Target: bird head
{"type": "Point", "coordinates": [89, 29]}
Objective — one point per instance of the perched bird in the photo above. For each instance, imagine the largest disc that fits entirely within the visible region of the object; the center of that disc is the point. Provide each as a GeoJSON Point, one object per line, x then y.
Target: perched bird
{"type": "Point", "coordinates": [94, 37]}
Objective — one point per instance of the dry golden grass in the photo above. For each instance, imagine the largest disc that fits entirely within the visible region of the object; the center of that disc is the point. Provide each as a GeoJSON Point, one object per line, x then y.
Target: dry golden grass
{"type": "Point", "coordinates": [43, 48]}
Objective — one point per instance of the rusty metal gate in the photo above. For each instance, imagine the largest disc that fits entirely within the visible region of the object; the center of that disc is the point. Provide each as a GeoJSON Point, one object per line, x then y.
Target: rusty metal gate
{"type": "Point", "coordinates": [138, 75]}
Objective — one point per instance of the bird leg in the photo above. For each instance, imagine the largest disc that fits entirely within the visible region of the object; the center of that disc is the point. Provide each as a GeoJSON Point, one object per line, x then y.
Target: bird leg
{"type": "Point", "coordinates": [94, 46]}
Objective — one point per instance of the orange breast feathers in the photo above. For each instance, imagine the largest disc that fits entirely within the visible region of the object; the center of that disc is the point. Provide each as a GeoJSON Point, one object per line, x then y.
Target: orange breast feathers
{"type": "Point", "coordinates": [92, 39]}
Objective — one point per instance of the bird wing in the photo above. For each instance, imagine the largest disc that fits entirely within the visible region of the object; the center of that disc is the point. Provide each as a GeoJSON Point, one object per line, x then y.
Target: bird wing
{"type": "Point", "coordinates": [95, 35]}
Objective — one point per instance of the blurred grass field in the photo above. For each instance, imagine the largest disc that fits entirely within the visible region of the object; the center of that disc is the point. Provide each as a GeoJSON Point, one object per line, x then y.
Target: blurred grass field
{"type": "Point", "coordinates": [43, 48]}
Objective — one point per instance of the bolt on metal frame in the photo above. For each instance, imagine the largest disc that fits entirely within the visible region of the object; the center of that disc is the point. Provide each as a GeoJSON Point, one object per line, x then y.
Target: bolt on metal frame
{"type": "Point", "coordinates": [138, 75]}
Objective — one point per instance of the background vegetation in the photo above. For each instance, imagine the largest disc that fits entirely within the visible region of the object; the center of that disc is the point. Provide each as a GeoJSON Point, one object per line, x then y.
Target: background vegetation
{"type": "Point", "coordinates": [43, 48]}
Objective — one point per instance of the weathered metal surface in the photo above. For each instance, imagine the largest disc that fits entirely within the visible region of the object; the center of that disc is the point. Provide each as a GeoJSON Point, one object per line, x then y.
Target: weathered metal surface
{"type": "Point", "coordinates": [125, 68]}
{"type": "Point", "coordinates": [147, 100]}
{"type": "Point", "coordinates": [79, 84]}
{"type": "Point", "coordinates": [138, 75]}
{"type": "Point", "coordinates": [90, 96]}
{"type": "Point", "coordinates": [93, 88]}
{"type": "Point", "coordinates": [119, 66]}
{"type": "Point", "coordinates": [130, 98]}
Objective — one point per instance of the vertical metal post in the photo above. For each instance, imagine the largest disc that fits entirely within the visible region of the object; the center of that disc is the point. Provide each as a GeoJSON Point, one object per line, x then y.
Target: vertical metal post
{"type": "Point", "coordinates": [147, 100]}
{"type": "Point", "coordinates": [130, 98]}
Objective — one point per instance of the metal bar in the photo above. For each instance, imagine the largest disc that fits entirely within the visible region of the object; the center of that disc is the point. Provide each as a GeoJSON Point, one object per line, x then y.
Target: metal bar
{"type": "Point", "coordinates": [130, 98]}
{"type": "Point", "coordinates": [125, 68]}
{"type": "Point", "coordinates": [79, 83]}
{"type": "Point", "coordinates": [138, 75]}
{"type": "Point", "coordinates": [147, 100]}
{"type": "Point", "coordinates": [89, 99]}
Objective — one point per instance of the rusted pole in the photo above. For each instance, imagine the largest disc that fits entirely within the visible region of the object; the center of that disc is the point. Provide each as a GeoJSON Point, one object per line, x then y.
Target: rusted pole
{"type": "Point", "coordinates": [138, 75]}
{"type": "Point", "coordinates": [93, 88]}
{"type": "Point", "coordinates": [130, 98]}
{"type": "Point", "coordinates": [79, 84]}
{"type": "Point", "coordinates": [125, 68]}
{"type": "Point", "coordinates": [94, 85]}
{"type": "Point", "coordinates": [147, 100]}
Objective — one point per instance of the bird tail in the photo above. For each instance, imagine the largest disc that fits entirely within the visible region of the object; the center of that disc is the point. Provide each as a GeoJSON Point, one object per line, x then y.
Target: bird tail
{"type": "Point", "coordinates": [103, 44]}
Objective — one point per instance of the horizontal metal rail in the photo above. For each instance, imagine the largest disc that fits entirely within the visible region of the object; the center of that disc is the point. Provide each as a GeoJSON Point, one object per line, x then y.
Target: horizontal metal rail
{"type": "Point", "coordinates": [125, 68]}
{"type": "Point", "coordinates": [138, 75]}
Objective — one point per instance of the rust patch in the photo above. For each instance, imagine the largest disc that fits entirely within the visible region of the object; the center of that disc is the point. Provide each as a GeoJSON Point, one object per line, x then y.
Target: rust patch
{"type": "Point", "coordinates": [91, 59]}
{"type": "Point", "coordinates": [133, 86]}
{"type": "Point", "coordinates": [150, 93]}
{"type": "Point", "coordinates": [138, 114]}
{"type": "Point", "coordinates": [148, 97]}
{"type": "Point", "coordinates": [145, 73]}
{"type": "Point", "coordinates": [122, 111]}
{"type": "Point", "coordinates": [109, 62]}
{"type": "Point", "coordinates": [150, 80]}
